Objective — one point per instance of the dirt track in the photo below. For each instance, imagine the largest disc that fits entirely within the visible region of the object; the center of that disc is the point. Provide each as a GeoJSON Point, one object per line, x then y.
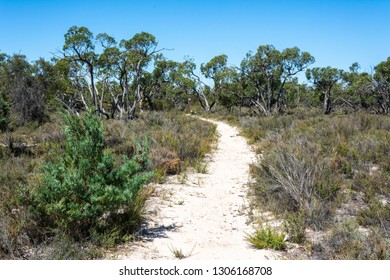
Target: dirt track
{"type": "Point", "coordinates": [204, 216]}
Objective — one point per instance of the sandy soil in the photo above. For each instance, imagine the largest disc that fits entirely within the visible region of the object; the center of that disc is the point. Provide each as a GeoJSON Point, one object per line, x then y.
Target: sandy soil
{"type": "Point", "coordinates": [204, 216]}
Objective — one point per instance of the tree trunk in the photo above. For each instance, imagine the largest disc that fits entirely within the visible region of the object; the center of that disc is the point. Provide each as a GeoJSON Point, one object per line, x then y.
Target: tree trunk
{"type": "Point", "coordinates": [327, 108]}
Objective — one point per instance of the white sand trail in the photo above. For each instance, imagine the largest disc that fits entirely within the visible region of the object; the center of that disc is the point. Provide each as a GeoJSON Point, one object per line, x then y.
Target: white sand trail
{"type": "Point", "coordinates": [204, 217]}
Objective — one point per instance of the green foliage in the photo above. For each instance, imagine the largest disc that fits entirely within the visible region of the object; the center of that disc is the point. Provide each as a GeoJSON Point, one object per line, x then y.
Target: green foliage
{"type": "Point", "coordinates": [382, 70]}
{"type": "Point", "coordinates": [83, 191]}
{"type": "Point", "coordinates": [358, 90]}
{"type": "Point", "coordinates": [25, 88]}
{"type": "Point", "coordinates": [376, 214]}
{"type": "Point", "coordinates": [4, 113]}
{"type": "Point", "coordinates": [324, 80]}
{"type": "Point", "coordinates": [267, 238]}
{"type": "Point", "coordinates": [347, 242]}
{"type": "Point", "coordinates": [267, 71]}
{"type": "Point", "coordinates": [296, 227]}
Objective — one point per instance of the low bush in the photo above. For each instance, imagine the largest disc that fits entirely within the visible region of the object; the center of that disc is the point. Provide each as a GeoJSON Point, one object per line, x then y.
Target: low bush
{"type": "Point", "coordinates": [346, 242]}
{"type": "Point", "coordinates": [15, 221]}
{"type": "Point", "coordinates": [291, 181]}
{"type": "Point", "coordinates": [376, 214]}
{"type": "Point", "coordinates": [296, 227]}
{"type": "Point", "coordinates": [265, 238]}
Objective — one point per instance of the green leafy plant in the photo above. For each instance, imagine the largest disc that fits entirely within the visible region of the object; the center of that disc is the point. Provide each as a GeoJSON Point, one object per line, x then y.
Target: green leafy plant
{"type": "Point", "coordinates": [267, 238]}
{"type": "Point", "coordinates": [295, 226]}
{"type": "Point", "coordinates": [84, 192]}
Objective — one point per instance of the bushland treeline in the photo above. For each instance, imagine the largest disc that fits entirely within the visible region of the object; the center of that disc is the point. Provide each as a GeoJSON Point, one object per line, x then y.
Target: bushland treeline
{"type": "Point", "coordinates": [117, 79]}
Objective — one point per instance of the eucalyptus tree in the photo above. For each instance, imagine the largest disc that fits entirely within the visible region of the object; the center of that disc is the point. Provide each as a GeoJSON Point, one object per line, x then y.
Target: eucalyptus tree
{"type": "Point", "coordinates": [231, 92]}
{"type": "Point", "coordinates": [216, 69]}
{"type": "Point", "coordinates": [113, 76]}
{"type": "Point", "coordinates": [266, 73]}
{"type": "Point", "coordinates": [358, 91]}
{"type": "Point", "coordinates": [382, 87]}
{"type": "Point", "coordinates": [24, 87]}
{"type": "Point", "coordinates": [168, 85]}
{"type": "Point", "coordinates": [4, 113]}
{"type": "Point", "coordinates": [79, 51]}
{"type": "Point", "coordinates": [138, 52]}
{"type": "Point", "coordinates": [324, 80]}
{"type": "Point", "coordinates": [193, 84]}
{"type": "Point", "coordinates": [127, 62]}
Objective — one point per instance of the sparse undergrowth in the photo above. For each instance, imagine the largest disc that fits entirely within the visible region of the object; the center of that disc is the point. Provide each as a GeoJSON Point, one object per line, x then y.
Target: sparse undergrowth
{"type": "Point", "coordinates": [314, 171]}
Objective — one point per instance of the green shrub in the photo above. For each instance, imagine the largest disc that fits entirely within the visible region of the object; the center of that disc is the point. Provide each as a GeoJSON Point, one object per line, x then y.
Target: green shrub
{"type": "Point", "coordinates": [83, 192]}
{"type": "Point", "coordinates": [346, 242]}
{"type": "Point", "coordinates": [376, 214]}
{"type": "Point", "coordinates": [296, 227]}
{"type": "Point", "coordinates": [267, 238]}
{"type": "Point", "coordinates": [290, 180]}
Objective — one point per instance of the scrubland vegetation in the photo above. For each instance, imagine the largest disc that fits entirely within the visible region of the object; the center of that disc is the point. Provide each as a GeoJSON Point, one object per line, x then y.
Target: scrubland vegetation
{"type": "Point", "coordinates": [326, 173]}
{"type": "Point", "coordinates": [80, 187]}
{"type": "Point", "coordinates": [85, 133]}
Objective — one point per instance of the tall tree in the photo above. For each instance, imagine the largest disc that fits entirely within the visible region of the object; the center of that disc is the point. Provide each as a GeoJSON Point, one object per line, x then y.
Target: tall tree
{"type": "Point", "coordinates": [382, 87]}
{"type": "Point", "coordinates": [324, 80]}
{"type": "Point", "coordinates": [357, 93]}
{"type": "Point", "coordinates": [266, 73]}
{"type": "Point", "coordinates": [25, 86]}
{"type": "Point", "coordinates": [138, 52]}
{"type": "Point", "coordinates": [79, 50]}
{"type": "Point", "coordinates": [217, 70]}
{"type": "Point", "coordinates": [117, 71]}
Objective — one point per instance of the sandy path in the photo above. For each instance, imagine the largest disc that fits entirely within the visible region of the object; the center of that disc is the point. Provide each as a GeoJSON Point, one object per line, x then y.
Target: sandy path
{"type": "Point", "coordinates": [204, 217]}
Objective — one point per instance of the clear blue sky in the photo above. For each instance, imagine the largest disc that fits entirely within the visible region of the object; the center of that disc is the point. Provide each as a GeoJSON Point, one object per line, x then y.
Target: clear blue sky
{"type": "Point", "coordinates": [336, 33]}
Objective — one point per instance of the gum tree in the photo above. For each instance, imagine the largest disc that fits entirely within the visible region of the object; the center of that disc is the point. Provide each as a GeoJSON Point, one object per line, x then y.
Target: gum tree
{"type": "Point", "coordinates": [113, 77]}
{"type": "Point", "coordinates": [382, 87]}
{"type": "Point", "coordinates": [324, 80]}
{"type": "Point", "coordinates": [266, 72]}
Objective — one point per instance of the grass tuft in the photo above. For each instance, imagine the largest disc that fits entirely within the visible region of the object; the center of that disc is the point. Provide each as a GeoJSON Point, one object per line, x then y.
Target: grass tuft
{"type": "Point", "coordinates": [265, 238]}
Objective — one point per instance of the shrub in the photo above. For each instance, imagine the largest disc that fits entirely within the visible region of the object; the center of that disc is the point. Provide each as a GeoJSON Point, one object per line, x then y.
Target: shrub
{"type": "Point", "coordinates": [375, 214]}
{"type": "Point", "coordinates": [63, 247]}
{"type": "Point", "coordinates": [347, 242]}
{"type": "Point", "coordinates": [296, 227]}
{"type": "Point", "coordinates": [291, 181]}
{"type": "Point", "coordinates": [14, 219]}
{"type": "Point", "coordinates": [84, 193]}
{"type": "Point", "coordinates": [267, 238]}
